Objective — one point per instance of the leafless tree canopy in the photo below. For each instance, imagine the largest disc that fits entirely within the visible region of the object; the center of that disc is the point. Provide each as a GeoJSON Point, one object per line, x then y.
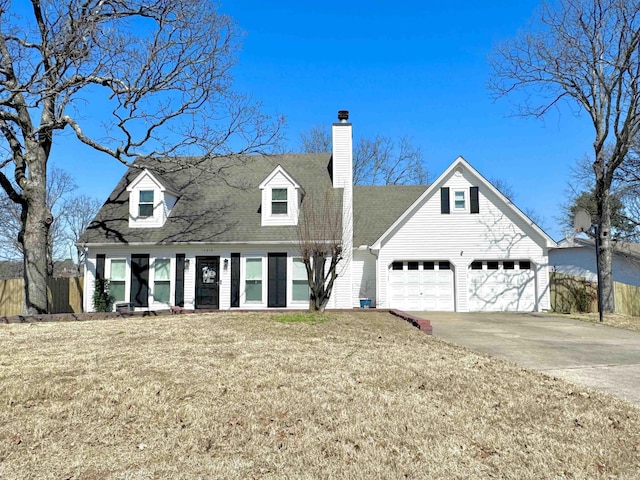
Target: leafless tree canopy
{"type": "Point", "coordinates": [77, 214]}
{"type": "Point", "coordinates": [128, 78]}
{"type": "Point", "coordinates": [624, 198]}
{"type": "Point", "coordinates": [60, 185]}
{"type": "Point", "coordinates": [320, 234]}
{"type": "Point", "coordinates": [587, 53]}
{"type": "Point", "coordinates": [376, 161]}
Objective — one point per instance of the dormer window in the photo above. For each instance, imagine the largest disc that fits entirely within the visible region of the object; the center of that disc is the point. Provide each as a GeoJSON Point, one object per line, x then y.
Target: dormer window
{"type": "Point", "coordinates": [151, 199]}
{"type": "Point", "coordinates": [281, 196]}
{"type": "Point", "coordinates": [459, 200]}
{"type": "Point", "coordinates": [145, 205]}
{"type": "Point", "coordinates": [279, 201]}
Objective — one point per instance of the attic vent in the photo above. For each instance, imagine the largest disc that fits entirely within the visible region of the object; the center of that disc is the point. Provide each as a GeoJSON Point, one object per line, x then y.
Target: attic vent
{"type": "Point", "coordinates": [343, 115]}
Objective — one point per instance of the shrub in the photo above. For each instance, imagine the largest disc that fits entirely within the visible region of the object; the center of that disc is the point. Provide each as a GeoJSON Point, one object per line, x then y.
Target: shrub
{"type": "Point", "coordinates": [102, 299]}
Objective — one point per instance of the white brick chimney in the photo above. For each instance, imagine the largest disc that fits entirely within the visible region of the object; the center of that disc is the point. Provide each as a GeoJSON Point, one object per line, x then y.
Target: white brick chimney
{"type": "Point", "coordinates": [342, 133]}
{"type": "Point", "coordinates": [342, 162]}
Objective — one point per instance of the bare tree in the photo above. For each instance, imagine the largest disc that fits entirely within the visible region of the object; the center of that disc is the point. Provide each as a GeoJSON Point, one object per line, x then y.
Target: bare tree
{"type": "Point", "coordinates": [376, 161]}
{"type": "Point", "coordinates": [624, 192]}
{"type": "Point", "coordinates": [78, 213]}
{"type": "Point", "coordinates": [504, 187]}
{"type": "Point", "coordinates": [585, 52]}
{"type": "Point", "coordinates": [320, 235]}
{"type": "Point", "coordinates": [60, 184]}
{"type": "Point", "coordinates": [158, 74]}
{"type": "Point", "coordinates": [316, 140]}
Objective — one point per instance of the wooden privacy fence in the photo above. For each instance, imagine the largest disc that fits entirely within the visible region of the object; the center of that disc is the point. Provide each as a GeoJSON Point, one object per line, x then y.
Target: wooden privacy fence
{"type": "Point", "coordinates": [570, 293]}
{"type": "Point", "coordinates": [627, 299]}
{"type": "Point", "coordinates": [65, 295]}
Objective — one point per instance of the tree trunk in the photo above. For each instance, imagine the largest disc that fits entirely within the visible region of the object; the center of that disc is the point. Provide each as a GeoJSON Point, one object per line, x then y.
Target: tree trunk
{"type": "Point", "coordinates": [604, 256]}
{"type": "Point", "coordinates": [34, 239]}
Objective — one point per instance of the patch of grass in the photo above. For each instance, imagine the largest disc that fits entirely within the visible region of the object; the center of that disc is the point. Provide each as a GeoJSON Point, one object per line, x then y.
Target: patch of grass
{"type": "Point", "coordinates": [301, 317]}
{"type": "Point", "coordinates": [233, 396]}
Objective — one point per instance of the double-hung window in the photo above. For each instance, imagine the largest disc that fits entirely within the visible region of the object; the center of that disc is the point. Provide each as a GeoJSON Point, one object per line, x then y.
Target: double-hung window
{"type": "Point", "coordinates": [118, 279]}
{"type": "Point", "coordinates": [279, 201]}
{"type": "Point", "coordinates": [253, 280]}
{"type": "Point", "coordinates": [145, 205]}
{"type": "Point", "coordinates": [300, 290]}
{"type": "Point", "coordinates": [162, 282]}
{"type": "Point", "coordinates": [459, 202]}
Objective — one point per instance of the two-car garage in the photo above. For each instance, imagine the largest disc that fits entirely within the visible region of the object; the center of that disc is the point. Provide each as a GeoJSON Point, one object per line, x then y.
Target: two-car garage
{"type": "Point", "coordinates": [492, 285]}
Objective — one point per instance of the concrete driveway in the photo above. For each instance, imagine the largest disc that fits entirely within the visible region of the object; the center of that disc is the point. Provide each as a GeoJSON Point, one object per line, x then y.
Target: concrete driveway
{"type": "Point", "coordinates": [593, 355]}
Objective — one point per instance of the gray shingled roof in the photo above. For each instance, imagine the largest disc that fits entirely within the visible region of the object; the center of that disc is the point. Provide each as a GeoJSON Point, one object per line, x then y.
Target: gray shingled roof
{"type": "Point", "coordinates": [619, 246]}
{"type": "Point", "coordinates": [213, 207]}
{"type": "Point", "coordinates": [225, 207]}
{"type": "Point", "coordinates": [375, 208]}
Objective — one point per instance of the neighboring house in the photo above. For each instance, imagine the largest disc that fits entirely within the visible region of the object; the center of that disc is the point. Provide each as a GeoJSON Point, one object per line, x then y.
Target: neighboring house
{"type": "Point", "coordinates": [197, 240]}
{"type": "Point", "coordinates": [14, 269]}
{"type": "Point", "coordinates": [577, 256]}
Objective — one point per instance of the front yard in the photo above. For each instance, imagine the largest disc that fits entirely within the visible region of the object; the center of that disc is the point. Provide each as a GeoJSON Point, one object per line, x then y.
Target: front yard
{"type": "Point", "coordinates": [350, 395]}
{"type": "Point", "coordinates": [612, 319]}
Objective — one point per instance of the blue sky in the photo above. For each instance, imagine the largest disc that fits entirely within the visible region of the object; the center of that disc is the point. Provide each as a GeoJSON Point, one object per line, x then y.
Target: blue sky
{"type": "Point", "coordinates": [401, 68]}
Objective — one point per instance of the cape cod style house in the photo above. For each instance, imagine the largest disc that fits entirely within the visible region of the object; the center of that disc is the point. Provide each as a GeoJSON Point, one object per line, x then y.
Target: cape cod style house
{"type": "Point", "coordinates": [225, 241]}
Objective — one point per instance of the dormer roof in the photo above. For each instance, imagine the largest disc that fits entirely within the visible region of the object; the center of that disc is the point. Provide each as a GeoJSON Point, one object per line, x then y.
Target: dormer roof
{"type": "Point", "coordinates": [163, 184]}
{"type": "Point", "coordinates": [276, 171]}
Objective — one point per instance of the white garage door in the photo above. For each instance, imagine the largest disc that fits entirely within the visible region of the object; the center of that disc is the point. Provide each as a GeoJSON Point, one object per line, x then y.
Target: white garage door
{"type": "Point", "coordinates": [423, 285]}
{"type": "Point", "coordinates": [496, 286]}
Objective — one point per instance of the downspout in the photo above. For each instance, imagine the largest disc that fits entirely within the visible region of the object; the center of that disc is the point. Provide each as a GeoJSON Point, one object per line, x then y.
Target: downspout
{"type": "Point", "coordinates": [377, 274]}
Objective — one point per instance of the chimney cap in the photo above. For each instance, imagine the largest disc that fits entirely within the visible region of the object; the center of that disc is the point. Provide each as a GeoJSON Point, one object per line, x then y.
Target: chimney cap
{"type": "Point", "coordinates": [343, 115]}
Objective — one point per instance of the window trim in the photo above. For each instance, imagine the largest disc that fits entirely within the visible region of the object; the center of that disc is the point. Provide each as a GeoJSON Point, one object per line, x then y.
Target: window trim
{"type": "Point", "coordinates": [462, 208]}
{"type": "Point", "coordinates": [299, 280]}
{"type": "Point", "coordinates": [163, 282]}
{"type": "Point", "coordinates": [122, 281]}
{"type": "Point", "coordinates": [146, 204]}
{"type": "Point", "coordinates": [257, 281]}
{"type": "Point", "coordinates": [284, 202]}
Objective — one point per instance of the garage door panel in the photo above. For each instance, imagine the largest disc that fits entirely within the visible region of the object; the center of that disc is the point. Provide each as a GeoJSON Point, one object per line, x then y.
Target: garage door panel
{"type": "Point", "coordinates": [501, 290]}
{"type": "Point", "coordinates": [421, 289]}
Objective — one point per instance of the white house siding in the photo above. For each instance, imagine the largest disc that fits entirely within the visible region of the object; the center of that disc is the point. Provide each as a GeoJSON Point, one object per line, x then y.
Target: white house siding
{"type": "Point", "coordinates": [339, 297]}
{"type": "Point", "coordinates": [168, 203]}
{"type": "Point", "coordinates": [364, 277]}
{"type": "Point", "coordinates": [581, 261]}
{"type": "Point", "coordinates": [460, 238]}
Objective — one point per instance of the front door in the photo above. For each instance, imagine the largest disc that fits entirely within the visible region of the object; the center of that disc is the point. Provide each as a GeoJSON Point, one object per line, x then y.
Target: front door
{"type": "Point", "coordinates": [277, 291]}
{"type": "Point", "coordinates": [207, 282]}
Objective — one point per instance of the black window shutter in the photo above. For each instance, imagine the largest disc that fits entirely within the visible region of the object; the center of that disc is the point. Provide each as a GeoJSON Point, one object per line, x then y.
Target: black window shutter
{"type": "Point", "coordinates": [235, 279]}
{"type": "Point", "coordinates": [277, 287]}
{"type": "Point", "coordinates": [140, 280]}
{"type": "Point", "coordinates": [180, 279]}
{"type": "Point", "coordinates": [100, 260]}
{"type": "Point", "coordinates": [444, 200]}
{"type": "Point", "coordinates": [473, 194]}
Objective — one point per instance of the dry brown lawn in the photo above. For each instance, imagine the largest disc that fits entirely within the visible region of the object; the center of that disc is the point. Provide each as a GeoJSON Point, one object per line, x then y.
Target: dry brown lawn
{"type": "Point", "coordinates": [612, 319]}
{"type": "Point", "coordinates": [356, 395]}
